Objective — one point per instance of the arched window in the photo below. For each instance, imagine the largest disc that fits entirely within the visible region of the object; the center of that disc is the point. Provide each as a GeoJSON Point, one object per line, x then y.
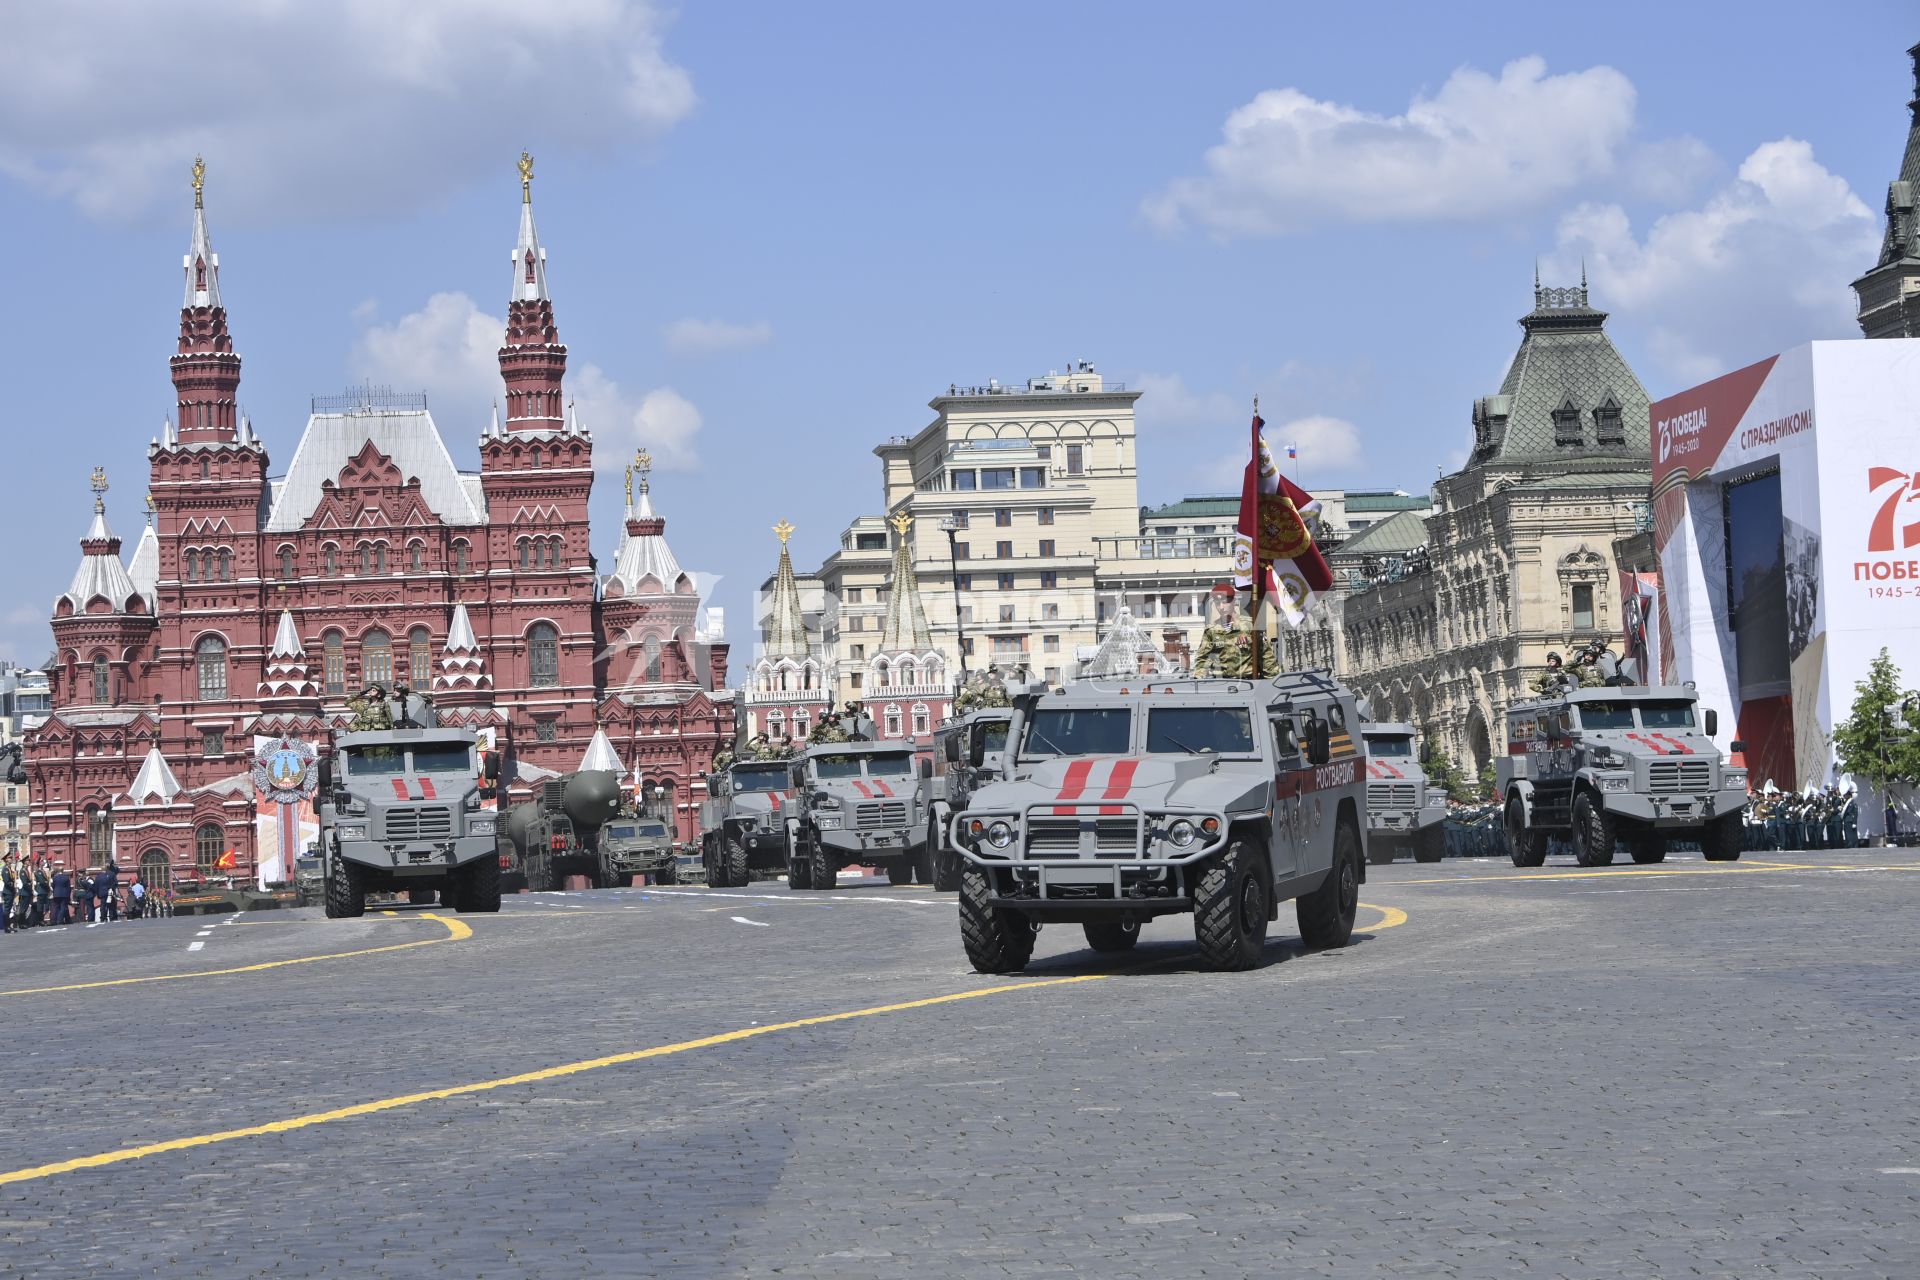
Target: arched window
{"type": "Point", "coordinates": [379, 557]}
{"type": "Point", "coordinates": [460, 550]}
{"type": "Point", "coordinates": [206, 469]}
{"type": "Point", "coordinates": [893, 722]}
{"type": "Point", "coordinates": [210, 656]}
{"type": "Point", "coordinates": [419, 657]}
{"type": "Point", "coordinates": [155, 872]}
{"type": "Point", "coordinates": [99, 836]}
{"type": "Point", "coordinates": [226, 565]}
{"type": "Point", "coordinates": [524, 546]}
{"type": "Point", "coordinates": [920, 719]}
{"type": "Point", "coordinates": [286, 562]}
{"type": "Point", "coordinates": [416, 557]}
{"type": "Point", "coordinates": [363, 555]}
{"type": "Point", "coordinates": [334, 662]}
{"type": "Point", "coordinates": [189, 566]}
{"type": "Point", "coordinates": [102, 681]}
{"type": "Point", "coordinates": [376, 659]}
{"type": "Point", "coordinates": [543, 655]}
{"type": "Point", "coordinates": [653, 659]}
{"type": "Point", "coordinates": [775, 725]}
{"type": "Point", "coordinates": [330, 557]}
{"type": "Point", "coordinates": [206, 846]}
{"type": "Point", "coordinates": [536, 455]}
{"type": "Point", "coordinates": [553, 553]}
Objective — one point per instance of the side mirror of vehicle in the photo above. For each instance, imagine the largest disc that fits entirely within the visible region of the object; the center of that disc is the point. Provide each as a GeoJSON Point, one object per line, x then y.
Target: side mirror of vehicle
{"type": "Point", "coordinates": [926, 767]}
{"type": "Point", "coordinates": [1712, 720]}
{"type": "Point", "coordinates": [1319, 737]}
{"type": "Point", "coordinates": [977, 750]}
{"type": "Point", "coordinates": [326, 778]}
{"type": "Point", "coordinates": [1737, 747]}
{"type": "Point", "coordinates": [950, 749]}
{"type": "Point", "coordinates": [491, 766]}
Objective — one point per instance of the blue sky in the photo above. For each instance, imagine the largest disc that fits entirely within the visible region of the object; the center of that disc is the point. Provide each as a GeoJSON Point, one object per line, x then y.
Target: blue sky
{"type": "Point", "coordinates": [774, 231]}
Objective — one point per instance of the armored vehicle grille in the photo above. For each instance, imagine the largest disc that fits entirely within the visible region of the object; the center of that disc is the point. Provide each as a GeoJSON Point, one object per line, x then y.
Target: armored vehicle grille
{"type": "Point", "coordinates": [1060, 837]}
{"type": "Point", "coordinates": [420, 822]}
{"type": "Point", "coordinates": [1392, 795]}
{"type": "Point", "coordinates": [1679, 775]}
{"type": "Point", "coordinates": [887, 815]}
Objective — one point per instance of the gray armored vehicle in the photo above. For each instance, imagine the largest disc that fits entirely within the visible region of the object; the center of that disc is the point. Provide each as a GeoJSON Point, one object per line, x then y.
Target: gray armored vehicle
{"type": "Point", "coordinates": [561, 834]}
{"type": "Point", "coordinates": [743, 822]}
{"type": "Point", "coordinates": [857, 802]}
{"type": "Point", "coordinates": [400, 811]}
{"type": "Point", "coordinates": [641, 846]}
{"type": "Point", "coordinates": [1222, 798]}
{"type": "Point", "coordinates": [1605, 765]}
{"type": "Point", "coordinates": [309, 880]}
{"type": "Point", "coordinates": [1404, 811]}
{"type": "Point", "coordinates": [954, 779]}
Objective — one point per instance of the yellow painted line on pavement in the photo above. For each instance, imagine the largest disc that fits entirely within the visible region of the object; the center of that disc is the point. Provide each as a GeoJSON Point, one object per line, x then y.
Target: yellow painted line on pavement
{"type": "Point", "coordinates": [456, 931]}
{"type": "Point", "coordinates": [1392, 916]}
{"type": "Point", "coordinates": [291, 1124]}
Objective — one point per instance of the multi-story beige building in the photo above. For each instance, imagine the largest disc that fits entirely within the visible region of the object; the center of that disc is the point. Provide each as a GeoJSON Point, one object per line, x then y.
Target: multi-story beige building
{"type": "Point", "coordinates": [1445, 626]}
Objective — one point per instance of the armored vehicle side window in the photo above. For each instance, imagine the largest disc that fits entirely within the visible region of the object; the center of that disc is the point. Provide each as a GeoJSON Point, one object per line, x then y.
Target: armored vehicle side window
{"type": "Point", "coordinates": [1057, 731]}
{"type": "Point", "coordinates": [653, 828]}
{"type": "Point", "coordinates": [1666, 715]}
{"type": "Point", "coordinates": [993, 736]}
{"type": "Point", "coordinates": [890, 766]}
{"type": "Point", "coordinates": [1222, 731]}
{"type": "Point", "coordinates": [621, 832]}
{"type": "Point", "coordinates": [1284, 743]}
{"type": "Point", "coordinates": [1606, 715]}
{"type": "Point", "coordinates": [836, 768]}
{"type": "Point", "coordinates": [448, 759]}
{"type": "Point", "coordinates": [1396, 746]}
{"type": "Point", "coordinates": [760, 779]}
{"type": "Point", "coordinates": [375, 762]}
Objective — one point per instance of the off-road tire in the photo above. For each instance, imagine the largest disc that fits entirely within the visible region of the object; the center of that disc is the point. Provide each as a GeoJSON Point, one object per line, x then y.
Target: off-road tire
{"type": "Point", "coordinates": [946, 862]}
{"type": "Point", "coordinates": [1527, 847]}
{"type": "Point", "coordinates": [1431, 844]}
{"type": "Point", "coordinates": [346, 891]}
{"type": "Point", "coordinates": [736, 868]}
{"type": "Point", "coordinates": [997, 941]}
{"type": "Point", "coordinates": [478, 887]}
{"type": "Point", "coordinates": [825, 875]}
{"type": "Point", "coordinates": [1326, 914]}
{"type": "Point", "coordinates": [1595, 833]}
{"type": "Point", "coordinates": [1721, 840]}
{"type": "Point", "coordinates": [799, 874]}
{"type": "Point", "coordinates": [1231, 905]}
{"type": "Point", "coordinates": [669, 873]}
{"type": "Point", "coordinates": [1647, 847]}
{"type": "Point", "coordinates": [923, 865]}
{"type": "Point", "coordinates": [1380, 851]}
{"type": "Point", "coordinates": [539, 872]}
{"type": "Point", "coordinates": [1112, 935]}
{"type": "Point", "coordinates": [900, 871]}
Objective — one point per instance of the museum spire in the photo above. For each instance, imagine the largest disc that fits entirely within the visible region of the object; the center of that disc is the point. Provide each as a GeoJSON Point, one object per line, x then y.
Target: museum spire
{"type": "Point", "coordinates": [205, 369]}
{"type": "Point", "coordinates": [533, 361]}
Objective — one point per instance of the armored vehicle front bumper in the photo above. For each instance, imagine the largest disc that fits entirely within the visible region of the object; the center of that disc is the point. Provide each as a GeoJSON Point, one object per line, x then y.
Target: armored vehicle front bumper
{"type": "Point", "coordinates": [643, 861]}
{"type": "Point", "coordinates": [418, 857]}
{"type": "Point", "coordinates": [1112, 858]}
{"type": "Point", "coordinates": [1671, 809]}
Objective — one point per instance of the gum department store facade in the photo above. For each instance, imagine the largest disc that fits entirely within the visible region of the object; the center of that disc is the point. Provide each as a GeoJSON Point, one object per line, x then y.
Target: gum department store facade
{"type": "Point", "coordinates": [255, 603]}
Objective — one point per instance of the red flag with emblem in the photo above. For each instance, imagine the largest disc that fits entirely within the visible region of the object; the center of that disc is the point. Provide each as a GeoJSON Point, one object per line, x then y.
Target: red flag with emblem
{"type": "Point", "coordinates": [1276, 527]}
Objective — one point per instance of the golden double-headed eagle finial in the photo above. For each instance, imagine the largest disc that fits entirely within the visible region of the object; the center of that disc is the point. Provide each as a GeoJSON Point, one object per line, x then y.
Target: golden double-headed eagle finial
{"type": "Point", "coordinates": [901, 523]}
{"type": "Point", "coordinates": [526, 176]}
{"type": "Point", "coordinates": [199, 179]}
{"type": "Point", "coordinates": [99, 480]}
{"type": "Point", "coordinates": [783, 531]}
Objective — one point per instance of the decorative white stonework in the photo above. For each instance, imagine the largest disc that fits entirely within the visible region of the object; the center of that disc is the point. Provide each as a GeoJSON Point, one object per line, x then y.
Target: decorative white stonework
{"type": "Point", "coordinates": [461, 666]}
{"type": "Point", "coordinates": [287, 674]}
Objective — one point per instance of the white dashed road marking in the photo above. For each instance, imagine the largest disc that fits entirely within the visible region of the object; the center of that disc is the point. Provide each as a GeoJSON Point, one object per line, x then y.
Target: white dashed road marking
{"type": "Point", "coordinates": [195, 946]}
{"type": "Point", "coordinates": [762, 924]}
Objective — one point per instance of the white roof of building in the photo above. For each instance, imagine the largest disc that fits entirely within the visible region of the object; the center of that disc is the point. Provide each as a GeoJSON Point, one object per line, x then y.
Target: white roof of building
{"type": "Point", "coordinates": [525, 290]}
{"type": "Point", "coordinates": [460, 637]}
{"type": "Point", "coordinates": [408, 436]}
{"type": "Point", "coordinates": [201, 248]}
{"type": "Point", "coordinates": [101, 573]}
{"type": "Point", "coordinates": [145, 567]}
{"type": "Point", "coordinates": [286, 640]}
{"type": "Point", "coordinates": [155, 779]}
{"type": "Point", "coordinates": [601, 755]}
{"type": "Point", "coordinates": [642, 554]}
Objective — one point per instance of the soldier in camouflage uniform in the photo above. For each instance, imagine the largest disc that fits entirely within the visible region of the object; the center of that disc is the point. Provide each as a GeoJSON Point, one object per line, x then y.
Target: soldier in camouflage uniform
{"type": "Point", "coordinates": [370, 710]}
{"type": "Point", "coordinates": [1226, 646]}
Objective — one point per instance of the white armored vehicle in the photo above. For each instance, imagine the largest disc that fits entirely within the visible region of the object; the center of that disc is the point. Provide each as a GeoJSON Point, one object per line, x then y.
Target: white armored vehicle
{"type": "Point", "coordinates": [955, 778]}
{"type": "Point", "coordinates": [1122, 802]}
{"type": "Point", "coordinates": [1404, 810]}
{"type": "Point", "coordinates": [744, 821]}
{"type": "Point", "coordinates": [856, 803]}
{"type": "Point", "coordinates": [1605, 765]}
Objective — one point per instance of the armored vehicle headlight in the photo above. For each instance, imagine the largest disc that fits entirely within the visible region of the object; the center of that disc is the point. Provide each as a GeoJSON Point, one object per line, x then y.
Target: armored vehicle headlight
{"type": "Point", "coordinates": [1620, 783]}
{"type": "Point", "coordinates": [352, 830]}
{"type": "Point", "coordinates": [481, 827]}
{"type": "Point", "coordinates": [999, 835]}
{"type": "Point", "coordinates": [1733, 778]}
{"type": "Point", "coordinates": [827, 821]}
{"type": "Point", "coordinates": [1181, 832]}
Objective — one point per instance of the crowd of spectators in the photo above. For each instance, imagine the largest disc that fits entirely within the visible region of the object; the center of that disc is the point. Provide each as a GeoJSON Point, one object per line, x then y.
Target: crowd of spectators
{"type": "Point", "coordinates": [35, 892]}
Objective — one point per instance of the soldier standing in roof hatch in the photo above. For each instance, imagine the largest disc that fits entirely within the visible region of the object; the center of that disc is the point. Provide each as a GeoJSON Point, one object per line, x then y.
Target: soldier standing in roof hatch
{"type": "Point", "coordinates": [1226, 646]}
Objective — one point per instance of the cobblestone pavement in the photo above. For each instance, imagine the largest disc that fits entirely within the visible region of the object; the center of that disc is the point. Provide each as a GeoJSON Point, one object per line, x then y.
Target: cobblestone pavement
{"type": "Point", "coordinates": [1686, 1070]}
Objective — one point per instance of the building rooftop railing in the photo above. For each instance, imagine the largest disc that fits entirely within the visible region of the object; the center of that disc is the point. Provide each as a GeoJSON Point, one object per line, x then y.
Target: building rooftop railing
{"type": "Point", "coordinates": [1035, 388]}
{"type": "Point", "coordinates": [371, 399]}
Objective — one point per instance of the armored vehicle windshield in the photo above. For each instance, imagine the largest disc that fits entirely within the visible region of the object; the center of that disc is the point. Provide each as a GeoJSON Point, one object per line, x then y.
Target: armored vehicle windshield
{"type": "Point", "coordinates": [1223, 731]}
{"type": "Point", "coordinates": [391, 761]}
{"type": "Point", "coordinates": [763, 778]}
{"type": "Point", "coordinates": [1391, 745]}
{"type": "Point", "coordinates": [842, 765]}
{"type": "Point", "coordinates": [993, 736]}
{"type": "Point", "coordinates": [1078, 731]}
{"type": "Point", "coordinates": [1666, 715]}
{"type": "Point", "coordinates": [636, 830]}
{"type": "Point", "coordinates": [1606, 715]}
{"type": "Point", "coordinates": [446, 757]}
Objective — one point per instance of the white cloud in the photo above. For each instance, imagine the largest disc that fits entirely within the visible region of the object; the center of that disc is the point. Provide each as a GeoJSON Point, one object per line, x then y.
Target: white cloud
{"type": "Point", "coordinates": [1482, 146]}
{"type": "Point", "coordinates": [692, 337]}
{"type": "Point", "coordinates": [1761, 265]}
{"type": "Point", "coordinates": [307, 107]}
{"type": "Point", "coordinates": [450, 349]}
{"type": "Point", "coordinates": [1329, 448]}
{"type": "Point", "coordinates": [1169, 403]}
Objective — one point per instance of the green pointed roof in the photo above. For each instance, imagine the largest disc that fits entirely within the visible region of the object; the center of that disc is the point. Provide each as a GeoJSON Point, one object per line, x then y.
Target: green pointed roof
{"type": "Point", "coordinates": [1400, 532]}
{"type": "Point", "coordinates": [906, 629]}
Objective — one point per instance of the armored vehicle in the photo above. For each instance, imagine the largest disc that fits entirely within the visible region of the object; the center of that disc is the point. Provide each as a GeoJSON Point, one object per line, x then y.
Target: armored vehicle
{"type": "Point", "coordinates": [954, 779]}
{"type": "Point", "coordinates": [1603, 765]}
{"type": "Point", "coordinates": [743, 822]}
{"type": "Point", "coordinates": [561, 833]}
{"type": "Point", "coordinates": [1404, 811]}
{"type": "Point", "coordinates": [1222, 798]}
{"type": "Point", "coordinates": [641, 846]}
{"type": "Point", "coordinates": [856, 802]}
{"type": "Point", "coordinates": [400, 811]}
{"type": "Point", "coordinates": [309, 880]}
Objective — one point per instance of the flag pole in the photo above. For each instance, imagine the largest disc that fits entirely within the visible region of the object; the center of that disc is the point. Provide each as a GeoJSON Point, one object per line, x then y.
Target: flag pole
{"type": "Point", "coordinates": [1259, 626]}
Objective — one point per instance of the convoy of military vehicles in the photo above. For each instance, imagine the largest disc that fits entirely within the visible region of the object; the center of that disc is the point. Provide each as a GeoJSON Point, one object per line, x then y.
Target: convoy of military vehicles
{"type": "Point", "coordinates": [1102, 804]}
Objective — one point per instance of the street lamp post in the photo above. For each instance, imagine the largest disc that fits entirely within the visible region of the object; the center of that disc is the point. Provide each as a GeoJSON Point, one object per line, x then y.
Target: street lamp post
{"type": "Point", "coordinates": [951, 526]}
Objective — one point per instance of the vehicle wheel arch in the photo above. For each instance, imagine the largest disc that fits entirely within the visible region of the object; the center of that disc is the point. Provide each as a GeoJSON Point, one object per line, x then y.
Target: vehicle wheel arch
{"type": "Point", "coordinates": [1348, 812]}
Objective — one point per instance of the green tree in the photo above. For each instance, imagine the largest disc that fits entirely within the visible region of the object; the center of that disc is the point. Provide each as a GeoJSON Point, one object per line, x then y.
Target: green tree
{"type": "Point", "coordinates": [1880, 742]}
{"type": "Point", "coordinates": [1448, 776]}
{"type": "Point", "coordinates": [1487, 782]}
